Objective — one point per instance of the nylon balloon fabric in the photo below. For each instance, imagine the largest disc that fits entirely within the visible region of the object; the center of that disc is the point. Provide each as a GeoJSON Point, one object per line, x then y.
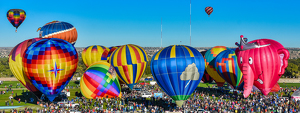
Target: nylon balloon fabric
{"type": "Point", "coordinates": [58, 29]}
{"type": "Point", "coordinates": [16, 17]}
{"type": "Point", "coordinates": [100, 80]}
{"type": "Point", "coordinates": [209, 57]}
{"type": "Point", "coordinates": [227, 67]}
{"type": "Point", "coordinates": [93, 54]}
{"type": "Point", "coordinates": [111, 50]}
{"type": "Point", "coordinates": [50, 64]}
{"type": "Point", "coordinates": [15, 64]}
{"type": "Point", "coordinates": [178, 69]}
{"type": "Point", "coordinates": [130, 62]}
{"type": "Point", "coordinates": [209, 10]}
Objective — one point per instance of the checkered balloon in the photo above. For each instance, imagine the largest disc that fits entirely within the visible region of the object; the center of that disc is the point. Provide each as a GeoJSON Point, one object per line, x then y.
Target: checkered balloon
{"type": "Point", "coordinates": [50, 64]}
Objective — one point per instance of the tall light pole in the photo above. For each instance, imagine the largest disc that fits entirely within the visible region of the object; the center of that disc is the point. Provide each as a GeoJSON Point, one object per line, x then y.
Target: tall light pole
{"type": "Point", "coordinates": [161, 33]}
{"type": "Point", "coordinates": [190, 22]}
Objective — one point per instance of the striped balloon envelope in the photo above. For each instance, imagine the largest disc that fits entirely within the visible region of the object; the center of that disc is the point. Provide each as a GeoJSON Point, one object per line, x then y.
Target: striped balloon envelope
{"type": "Point", "coordinates": [206, 78]}
{"type": "Point", "coordinates": [100, 80]}
{"type": "Point", "coordinates": [58, 29]}
{"type": "Point", "coordinates": [178, 69]}
{"type": "Point", "coordinates": [227, 67]}
{"type": "Point", "coordinates": [16, 17]}
{"type": "Point", "coordinates": [130, 62]}
{"type": "Point", "coordinates": [111, 50]}
{"type": "Point", "coordinates": [209, 58]}
{"type": "Point", "coordinates": [15, 64]}
{"type": "Point", "coordinates": [209, 10]}
{"type": "Point", "coordinates": [50, 64]}
{"type": "Point", "coordinates": [93, 54]}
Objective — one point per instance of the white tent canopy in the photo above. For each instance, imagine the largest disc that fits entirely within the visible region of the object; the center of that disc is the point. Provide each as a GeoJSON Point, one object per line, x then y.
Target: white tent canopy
{"type": "Point", "coordinates": [296, 94]}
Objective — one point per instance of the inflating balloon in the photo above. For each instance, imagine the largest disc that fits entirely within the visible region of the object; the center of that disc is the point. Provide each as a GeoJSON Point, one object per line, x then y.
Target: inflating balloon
{"type": "Point", "coordinates": [209, 10]}
{"type": "Point", "coordinates": [227, 66]}
{"type": "Point", "coordinates": [16, 17]}
{"type": "Point", "coordinates": [15, 64]}
{"type": "Point", "coordinates": [178, 69]}
{"type": "Point", "coordinates": [58, 29]}
{"type": "Point", "coordinates": [130, 62]}
{"type": "Point", "coordinates": [206, 77]}
{"type": "Point", "coordinates": [100, 80]}
{"type": "Point", "coordinates": [262, 62]}
{"type": "Point", "coordinates": [93, 54]}
{"type": "Point", "coordinates": [209, 58]}
{"type": "Point", "coordinates": [50, 64]}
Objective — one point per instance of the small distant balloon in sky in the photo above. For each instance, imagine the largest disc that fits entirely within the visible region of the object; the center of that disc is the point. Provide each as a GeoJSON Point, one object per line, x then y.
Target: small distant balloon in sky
{"type": "Point", "coordinates": [209, 10]}
{"type": "Point", "coordinates": [16, 17]}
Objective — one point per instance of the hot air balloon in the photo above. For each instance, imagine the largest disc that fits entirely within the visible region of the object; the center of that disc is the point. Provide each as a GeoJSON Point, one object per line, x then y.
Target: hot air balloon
{"type": "Point", "coordinates": [15, 65]}
{"type": "Point", "coordinates": [262, 62]}
{"type": "Point", "coordinates": [206, 77]}
{"type": "Point", "coordinates": [227, 67]}
{"type": "Point", "coordinates": [130, 62]}
{"type": "Point", "coordinates": [16, 17]}
{"type": "Point", "coordinates": [93, 54]}
{"type": "Point", "coordinates": [178, 69]}
{"type": "Point", "coordinates": [50, 64]}
{"type": "Point", "coordinates": [209, 10]}
{"type": "Point", "coordinates": [111, 50]}
{"type": "Point", "coordinates": [100, 80]}
{"type": "Point", "coordinates": [58, 29]}
{"type": "Point", "coordinates": [209, 58]}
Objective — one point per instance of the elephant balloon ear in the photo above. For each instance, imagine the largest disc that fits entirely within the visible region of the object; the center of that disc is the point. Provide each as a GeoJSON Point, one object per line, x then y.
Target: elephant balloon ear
{"type": "Point", "coordinates": [284, 56]}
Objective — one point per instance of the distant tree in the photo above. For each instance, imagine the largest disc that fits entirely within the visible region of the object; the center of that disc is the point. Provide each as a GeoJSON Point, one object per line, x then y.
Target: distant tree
{"type": "Point", "coordinates": [291, 71]}
{"type": "Point", "coordinates": [148, 70]}
{"type": "Point", "coordinates": [80, 67]}
{"type": "Point", "coordinates": [4, 68]}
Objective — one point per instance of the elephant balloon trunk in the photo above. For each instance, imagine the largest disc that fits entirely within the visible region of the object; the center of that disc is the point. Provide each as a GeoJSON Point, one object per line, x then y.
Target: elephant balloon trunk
{"type": "Point", "coordinates": [248, 76]}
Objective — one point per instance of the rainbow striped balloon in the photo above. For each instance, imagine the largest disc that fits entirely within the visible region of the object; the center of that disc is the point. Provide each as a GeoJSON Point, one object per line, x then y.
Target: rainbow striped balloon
{"type": "Point", "coordinates": [94, 53]}
{"type": "Point", "coordinates": [16, 17]}
{"type": "Point", "coordinates": [130, 62]}
{"type": "Point", "coordinates": [50, 64]}
{"type": "Point", "coordinates": [100, 80]}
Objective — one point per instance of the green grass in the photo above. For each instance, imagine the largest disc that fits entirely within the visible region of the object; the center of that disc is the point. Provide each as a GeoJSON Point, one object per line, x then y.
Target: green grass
{"type": "Point", "coordinates": [284, 85]}
{"type": "Point", "coordinates": [4, 98]}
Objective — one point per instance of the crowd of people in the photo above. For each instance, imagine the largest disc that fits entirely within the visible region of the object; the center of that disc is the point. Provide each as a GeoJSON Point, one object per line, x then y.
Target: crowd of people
{"type": "Point", "coordinates": [203, 99]}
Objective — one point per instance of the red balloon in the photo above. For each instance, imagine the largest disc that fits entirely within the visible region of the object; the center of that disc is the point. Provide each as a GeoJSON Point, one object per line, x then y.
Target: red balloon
{"type": "Point", "coordinates": [209, 10]}
{"type": "Point", "coordinates": [262, 62]}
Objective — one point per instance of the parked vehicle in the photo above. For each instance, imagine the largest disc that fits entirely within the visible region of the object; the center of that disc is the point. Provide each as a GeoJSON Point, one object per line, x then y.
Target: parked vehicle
{"type": "Point", "coordinates": [146, 94]}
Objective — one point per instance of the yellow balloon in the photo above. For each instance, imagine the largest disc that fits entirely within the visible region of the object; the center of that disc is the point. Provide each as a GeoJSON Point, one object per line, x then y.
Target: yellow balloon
{"type": "Point", "coordinates": [93, 54]}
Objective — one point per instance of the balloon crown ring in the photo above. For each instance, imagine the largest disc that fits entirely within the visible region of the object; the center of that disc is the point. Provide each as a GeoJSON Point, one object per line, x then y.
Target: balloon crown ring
{"type": "Point", "coordinates": [244, 45]}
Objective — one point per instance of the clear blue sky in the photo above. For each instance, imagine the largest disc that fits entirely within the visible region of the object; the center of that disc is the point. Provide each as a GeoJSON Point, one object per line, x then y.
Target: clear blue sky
{"type": "Point", "coordinates": [118, 22]}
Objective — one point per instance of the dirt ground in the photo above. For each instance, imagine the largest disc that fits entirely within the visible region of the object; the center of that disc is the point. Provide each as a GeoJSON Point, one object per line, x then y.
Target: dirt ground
{"type": "Point", "coordinates": [9, 79]}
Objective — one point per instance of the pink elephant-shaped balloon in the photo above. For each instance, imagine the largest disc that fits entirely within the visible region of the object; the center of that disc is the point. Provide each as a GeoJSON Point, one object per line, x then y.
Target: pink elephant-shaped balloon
{"type": "Point", "coordinates": [262, 62]}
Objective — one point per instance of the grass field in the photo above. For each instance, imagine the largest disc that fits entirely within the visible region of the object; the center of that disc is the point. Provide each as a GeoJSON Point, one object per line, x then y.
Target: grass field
{"type": "Point", "coordinates": [19, 90]}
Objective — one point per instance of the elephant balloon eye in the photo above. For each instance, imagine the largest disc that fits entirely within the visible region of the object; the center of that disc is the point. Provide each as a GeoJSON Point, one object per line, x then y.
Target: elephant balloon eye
{"type": "Point", "coordinates": [250, 60]}
{"type": "Point", "coordinates": [241, 60]}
